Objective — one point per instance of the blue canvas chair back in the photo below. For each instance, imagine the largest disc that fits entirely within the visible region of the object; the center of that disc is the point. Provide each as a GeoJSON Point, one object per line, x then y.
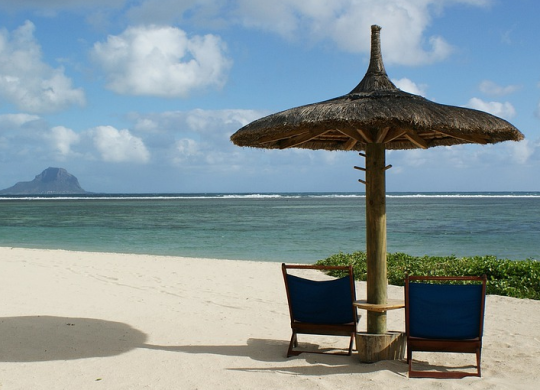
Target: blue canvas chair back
{"type": "Point", "coordinates": [321, 302]}
{"type": "Point", "coordinates": [320, 307]}
{"type": "Point", "coordinates": [440, 311]}
{"type": "Point", "coordinates": [444, 318]}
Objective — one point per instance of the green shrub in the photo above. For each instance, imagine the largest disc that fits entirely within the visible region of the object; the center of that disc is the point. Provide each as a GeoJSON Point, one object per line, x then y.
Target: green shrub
{"type": "Point", "coordinates": [519, 279]}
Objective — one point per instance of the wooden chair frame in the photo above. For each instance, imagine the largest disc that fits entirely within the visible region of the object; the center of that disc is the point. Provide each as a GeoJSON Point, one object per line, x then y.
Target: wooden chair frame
{"type": "Point", "coordinates": [298, 327]}
{"type": "Point", "coordinates": [472, 345]}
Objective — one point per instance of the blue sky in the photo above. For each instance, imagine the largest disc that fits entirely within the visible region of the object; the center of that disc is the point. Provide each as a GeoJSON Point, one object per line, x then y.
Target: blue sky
{"type": "Point", "coordinates": [142, 96]}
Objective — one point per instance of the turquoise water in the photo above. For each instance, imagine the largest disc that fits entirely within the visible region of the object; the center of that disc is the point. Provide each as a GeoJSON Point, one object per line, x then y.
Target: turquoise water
{"type": "Point", "coordinates": [274, 227]}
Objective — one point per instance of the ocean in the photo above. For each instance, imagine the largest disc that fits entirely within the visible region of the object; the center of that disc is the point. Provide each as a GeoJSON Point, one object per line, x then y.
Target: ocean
{"type": "Point", "coordinates": [285, 227]}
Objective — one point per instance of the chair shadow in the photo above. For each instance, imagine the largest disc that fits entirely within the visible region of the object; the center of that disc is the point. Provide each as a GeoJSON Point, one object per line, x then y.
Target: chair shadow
{"type": "Point", "coordinates": [268, 350]}
{"type": "Point", "coordinates": [425, 366]}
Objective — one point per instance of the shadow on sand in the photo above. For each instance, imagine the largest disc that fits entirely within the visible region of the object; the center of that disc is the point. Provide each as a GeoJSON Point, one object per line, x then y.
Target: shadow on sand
{"type": "Point", "coordinates": [46, 338]}
{"type": "Point", "coordinates": [49, 338]}
{"type": "Point", "coordinates": [266, 350]}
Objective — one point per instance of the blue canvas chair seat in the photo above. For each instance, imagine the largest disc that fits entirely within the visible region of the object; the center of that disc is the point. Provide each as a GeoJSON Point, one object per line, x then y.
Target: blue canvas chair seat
{"type": "Point", "coordinates": [320, 307]}
{"type": "Point", "coordinates": [444, 318]}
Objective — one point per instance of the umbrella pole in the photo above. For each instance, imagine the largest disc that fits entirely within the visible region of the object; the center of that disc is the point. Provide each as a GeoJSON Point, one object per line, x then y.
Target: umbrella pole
{"type": "Point", "coordinates": [376, 235]}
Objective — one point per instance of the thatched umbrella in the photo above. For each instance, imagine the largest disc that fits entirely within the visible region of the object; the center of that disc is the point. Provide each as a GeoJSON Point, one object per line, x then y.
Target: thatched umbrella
{"type": "Point", "coordinates": [373, 117]}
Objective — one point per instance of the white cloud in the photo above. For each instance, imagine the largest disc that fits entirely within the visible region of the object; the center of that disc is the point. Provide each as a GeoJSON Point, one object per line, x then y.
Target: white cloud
{"type": "Point", "coordinates": [415, 158]}
{"type": "Point", "coordinates": [211, 124]}
{"type": "Point", "coordinates": [34, 140]}
{"type": "Point", "coordinates": [16, 120]}
{"type": "Point", "coordinates": [523, 151]}
{"type": "Point", "coordinates": [209, 121]}
{"type": "Point", "coordinates": [169, 11]}
{"type": "Point", "coordinates": [199, 140]}
{"type": "Point", "coordinates": [193, 138]}
{"type": "Point", "coordinates": [49, 7]}
{"type": "Point", "coordinates": [344, 23]}
{"type": "Point", "coordinates": [162, 61]}
{"type": "Point", "coordinates": [59, 3]}
{"type": "Point", "coordinates": [119, 145]}
{"type": "Point", "coordinates": [504, 110]}
{"type": "Point", "coordinates": [22, 139]}
{"type": "Point", "coordinates": [186, 148]}
{"type": "Point", "coordinates": [490, 88]}
{"type": "Point", "coordinates": [28, 82]}
{"type": "Point", "coordinates": [347, 24]}
{"type": "Point", "coordinates": [62, 139]}
{"type": "Point", "coordinates": [146, 125]}
{"type": "Point", "coordinates": [463, 157]}
{"type": "Point", "coordinates": [410, 86]}
{"type": "Point", "coordinates": [479, 3]}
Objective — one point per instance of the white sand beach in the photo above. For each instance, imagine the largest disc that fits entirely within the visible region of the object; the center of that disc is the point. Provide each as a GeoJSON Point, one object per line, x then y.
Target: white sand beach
{"type": "Point", "coordinates": [76, 320]}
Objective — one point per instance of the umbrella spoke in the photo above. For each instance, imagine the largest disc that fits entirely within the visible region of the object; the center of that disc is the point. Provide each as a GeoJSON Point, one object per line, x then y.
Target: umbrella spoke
{"type": "Point", "coordinates": [350, 144]}
{"type": "Point", "coordinates": [366, 136]}
{"type": "Point", "coordinates": [274, 137]}
{"type": "Point", "coordinates": [416, 139]}
{"type": "Point", "coordinates": [359, 135]}
{"type": "Point", "coordinates": [393, 135]}
{"type": "Point", "coordinates": [301, 138]}
{"type": "Point", "coordinates": [469, 138]}
{"type": "Point", "coordinates": [382, 135]}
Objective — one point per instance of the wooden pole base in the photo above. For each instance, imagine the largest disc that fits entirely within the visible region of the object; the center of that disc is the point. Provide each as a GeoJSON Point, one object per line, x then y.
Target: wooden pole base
{"type": "Point", "coordinates": [375, 347]}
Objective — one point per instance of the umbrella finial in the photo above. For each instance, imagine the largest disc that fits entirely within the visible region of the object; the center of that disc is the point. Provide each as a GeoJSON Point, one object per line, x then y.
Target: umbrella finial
{"type": "Point", "coordinates": [376, 78]}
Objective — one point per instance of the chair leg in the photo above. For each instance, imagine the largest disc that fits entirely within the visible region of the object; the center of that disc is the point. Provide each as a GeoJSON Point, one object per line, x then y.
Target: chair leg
{"type": "Point", "coordinates": [478, 360]}
{"type": "Point", "coordinates": [351, 344]}
{"type": "Point", "coordinates": [409, 361]}
{"type": "Point", "coordinates": [293, 344]}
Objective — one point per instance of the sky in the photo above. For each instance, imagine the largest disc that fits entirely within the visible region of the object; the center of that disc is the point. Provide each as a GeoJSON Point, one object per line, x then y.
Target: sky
{"type": "Point", "coordinates": [142, 96]}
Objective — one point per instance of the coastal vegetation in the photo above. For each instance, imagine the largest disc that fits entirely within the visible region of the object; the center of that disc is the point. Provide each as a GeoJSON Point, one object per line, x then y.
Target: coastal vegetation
{"type": "Point", "coordinates": [518, 279]}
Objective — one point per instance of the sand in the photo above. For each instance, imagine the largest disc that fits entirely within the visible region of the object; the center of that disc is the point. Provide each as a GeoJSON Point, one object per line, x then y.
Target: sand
{"type": "Point", "coordinates": [77, 320]}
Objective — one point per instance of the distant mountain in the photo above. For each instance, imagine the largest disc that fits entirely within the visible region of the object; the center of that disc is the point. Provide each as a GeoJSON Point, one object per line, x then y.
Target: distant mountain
{"type": "Point", "coordinates": [51, 181]}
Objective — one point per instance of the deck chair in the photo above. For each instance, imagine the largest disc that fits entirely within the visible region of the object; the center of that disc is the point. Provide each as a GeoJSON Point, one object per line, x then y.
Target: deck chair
{"type": "Point", "coordinates": [442, 317]}
{"type": "Point", "coordinates": [320, 307]}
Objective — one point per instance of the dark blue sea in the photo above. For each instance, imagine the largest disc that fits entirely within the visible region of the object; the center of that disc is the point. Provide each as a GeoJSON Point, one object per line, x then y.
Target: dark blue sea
{"type": "Point", "coordinates": [302, 227]}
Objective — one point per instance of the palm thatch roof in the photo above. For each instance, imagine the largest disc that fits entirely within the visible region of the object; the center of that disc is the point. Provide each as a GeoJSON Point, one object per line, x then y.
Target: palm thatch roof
{"type": "Point", "coordinates": [376, 111]}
